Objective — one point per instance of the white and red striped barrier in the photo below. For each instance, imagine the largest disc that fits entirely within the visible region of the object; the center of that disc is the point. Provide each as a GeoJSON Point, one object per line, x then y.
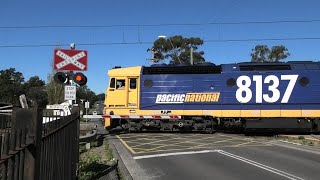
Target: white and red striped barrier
{"type": "Point", "coordinates": [130, 117]}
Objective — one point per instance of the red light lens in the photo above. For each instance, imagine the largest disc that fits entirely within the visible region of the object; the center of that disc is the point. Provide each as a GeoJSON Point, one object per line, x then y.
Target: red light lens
{"type": "Point", "coordinates": [79, 78]}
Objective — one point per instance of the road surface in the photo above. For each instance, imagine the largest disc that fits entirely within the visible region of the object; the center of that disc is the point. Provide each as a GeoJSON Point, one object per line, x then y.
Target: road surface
{"type": "Point", "coordinates": [214, 156]}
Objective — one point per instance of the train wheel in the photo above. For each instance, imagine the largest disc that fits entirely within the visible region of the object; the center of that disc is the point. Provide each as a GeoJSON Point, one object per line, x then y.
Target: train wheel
{"type": "Point", "coordinates": [124, 124]}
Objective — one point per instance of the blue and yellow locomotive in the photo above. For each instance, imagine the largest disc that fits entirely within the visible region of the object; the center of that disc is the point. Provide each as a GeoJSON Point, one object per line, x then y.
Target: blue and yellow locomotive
{"type": "Point", "coordinates": [264, 97]}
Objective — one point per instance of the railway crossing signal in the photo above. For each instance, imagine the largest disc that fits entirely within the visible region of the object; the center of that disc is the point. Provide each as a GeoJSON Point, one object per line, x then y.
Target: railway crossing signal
{"type": "Point", "coordinates": [64, 78]}
{"type": "Point", "coordinates": [66, 62]}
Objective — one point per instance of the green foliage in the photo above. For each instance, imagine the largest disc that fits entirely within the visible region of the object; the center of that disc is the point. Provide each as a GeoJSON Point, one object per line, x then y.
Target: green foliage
{"type": "Point", "coordinates": [55, 90]}
{"type": "Point", "coordinates": [301, 137]}
{"type": "Point", "coordinates": [177, 49]}
{"type": "Point", "coordinates": [262, 53]}
{"type": "Point", "coordinates": [85, 94]}
{"type": "Point", "coordinates": [34, 81]}
{"type": "Point", "coordinates": [91, 164]}
{"type": "Point", "coordinates": [84, 119]}
{"type": "Point", "coordinates": [36, 91]}
{"type": "Point", "coordinates": [82, 149]}
{"type": "Point", "coordinates": [94, 144]}
{"type": "Point", "coordinates": [108, 150]}
{"type": "Point", "coordinates": [87, 166]}
{"type": "Point", "coordinates": [311, 144]}
{"type": "Point", "coordinates": [278, 53]}
{"type": "Point", "coordinates": [11, 85]}
{"type": "Point", "coordinates": [101, 97]}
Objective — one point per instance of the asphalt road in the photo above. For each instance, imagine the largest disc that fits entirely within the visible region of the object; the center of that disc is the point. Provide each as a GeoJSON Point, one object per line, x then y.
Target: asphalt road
{"type": "Point", "coordinates": [218, 156]}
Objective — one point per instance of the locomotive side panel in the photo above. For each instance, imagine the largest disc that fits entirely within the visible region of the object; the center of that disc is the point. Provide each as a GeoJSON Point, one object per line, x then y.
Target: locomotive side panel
{"type": "Point", "coordinates": [179, 92]}
{"type": "Point", "coordinates": [236, 94]}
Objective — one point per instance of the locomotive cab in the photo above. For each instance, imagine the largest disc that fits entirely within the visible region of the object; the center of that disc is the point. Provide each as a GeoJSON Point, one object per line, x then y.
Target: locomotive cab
{"type": "Point", "coordinates": [122, 92]}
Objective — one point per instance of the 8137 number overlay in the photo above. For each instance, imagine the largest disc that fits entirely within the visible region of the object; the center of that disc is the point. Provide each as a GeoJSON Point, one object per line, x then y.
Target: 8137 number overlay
{"type": "Point", "coordinates": [244, 84]}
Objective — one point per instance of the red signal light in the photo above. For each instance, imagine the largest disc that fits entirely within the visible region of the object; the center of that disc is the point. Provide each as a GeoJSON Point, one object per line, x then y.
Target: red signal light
{"type": "Point", "coordinates": [80, 79]}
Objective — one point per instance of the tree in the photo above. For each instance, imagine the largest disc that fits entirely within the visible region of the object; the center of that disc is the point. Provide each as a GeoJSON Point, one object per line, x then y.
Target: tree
{"type": "Point", "coordinates": [84, 93]}
{"type": "Point", "coordinates": [34, 81]}
{"type": "Point", "coordinates": [278, 53]}
{"type": "Point", "coordinates": [11, 85]}
{"type": "Point", "coordinates": [36, 91]}
{"type": "Point", "coordinates": [55, 90]}
{"type": "Point", "coordinates": [262, 53]}
{"type": "Point", "coordinates": [177, 49]}
{"type": "Point", "coordinates": [101, 97]}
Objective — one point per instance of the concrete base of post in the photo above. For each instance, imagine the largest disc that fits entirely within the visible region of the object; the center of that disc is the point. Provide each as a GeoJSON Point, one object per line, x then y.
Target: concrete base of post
{"type": "Point", "coordinates": [88, 146]}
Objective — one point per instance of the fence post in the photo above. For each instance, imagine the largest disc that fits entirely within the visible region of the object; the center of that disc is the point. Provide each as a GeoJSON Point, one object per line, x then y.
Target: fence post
{"type": "Point", "coordinates": [32, 154]}
{"type": "Point", "coordinates": [77, 155]}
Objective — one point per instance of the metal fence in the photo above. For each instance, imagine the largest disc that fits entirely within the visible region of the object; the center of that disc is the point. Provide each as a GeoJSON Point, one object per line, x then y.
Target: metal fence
{"type": "Point", "coordinates": [39, 146]}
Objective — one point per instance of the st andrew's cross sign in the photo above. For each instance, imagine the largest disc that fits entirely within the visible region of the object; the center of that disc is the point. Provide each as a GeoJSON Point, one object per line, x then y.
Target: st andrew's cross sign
{"type": "Point", "coordinates": [70, 60]}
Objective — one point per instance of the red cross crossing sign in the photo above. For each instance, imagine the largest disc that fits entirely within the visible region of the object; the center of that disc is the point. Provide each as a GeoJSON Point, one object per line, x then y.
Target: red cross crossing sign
{"type": "Point", "coordinates": [70, 60]}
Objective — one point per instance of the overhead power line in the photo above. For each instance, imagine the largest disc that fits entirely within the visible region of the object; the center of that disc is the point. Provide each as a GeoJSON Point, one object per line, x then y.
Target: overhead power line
{"type": "Point", "coordinates": [264, 39]}
{"type": "Point", "coordinates": [146, 42]}
{"type": "Point", "coordinates": [165, 24]}
{"type": "Point", "coordinates": [81, 44]}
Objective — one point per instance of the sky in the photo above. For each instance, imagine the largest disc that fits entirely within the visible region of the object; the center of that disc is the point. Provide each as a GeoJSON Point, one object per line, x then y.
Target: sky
{"type": "Point", "coordinates": [119, 32]}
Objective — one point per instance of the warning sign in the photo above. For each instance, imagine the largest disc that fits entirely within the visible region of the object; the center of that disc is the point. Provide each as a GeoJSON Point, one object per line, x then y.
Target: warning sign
{"type": "Point", "coordinates": [70, 93]}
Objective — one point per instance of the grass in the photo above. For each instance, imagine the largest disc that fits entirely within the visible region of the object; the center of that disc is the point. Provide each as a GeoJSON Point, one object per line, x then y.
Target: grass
{"type": "Point", "coordinates": [82, 148]}
{"type": "Point", "coordinates": [110, 157]}
{"type": "Point", "coordinates": [302, 140]}
{"type": "Point", "coordinates": [95, 160]}
{"type": "Point", "coordinates": [88, 165]}
{"type": "Point", "coordinates": [121, 177]}
{"type": "Point", "coordinates": [108, 151]}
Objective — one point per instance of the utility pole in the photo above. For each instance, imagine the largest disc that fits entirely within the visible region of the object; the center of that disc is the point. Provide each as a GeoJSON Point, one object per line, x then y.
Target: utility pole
{"type": "Point", "coordinates": [72, 47]}
{"type": "Point", "coordinates": [191, 56]}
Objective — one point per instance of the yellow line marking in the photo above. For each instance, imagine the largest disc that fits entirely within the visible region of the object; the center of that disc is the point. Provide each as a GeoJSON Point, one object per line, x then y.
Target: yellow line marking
{"type": "Point", "coordinates": [173, 144]}
{"type": "Point", "coordinates": [141, 152]}
{"type": "Point", "coordinates": [245, 139]}
{"type": "Point", "coordinates": [137, 140]}
{"type": "Point", "coordinates": [153, 142]}
{"type": "Point", "coordinates": [137, 149]}
{"type": "Point", "coordinates": [236, 137]}
{"type": "Point", "coordinates": [208, 144]}
{"type": "Point", "coordinates": [177, 144]}
{"type": "Point", "coordinates": [126, 145]}
{"type": "Point", "coordinates": [164, 145]}
{"type": "Point", "coordinates": [161, 150]}
{"type": "Point", "coordinates": [238, 145]}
